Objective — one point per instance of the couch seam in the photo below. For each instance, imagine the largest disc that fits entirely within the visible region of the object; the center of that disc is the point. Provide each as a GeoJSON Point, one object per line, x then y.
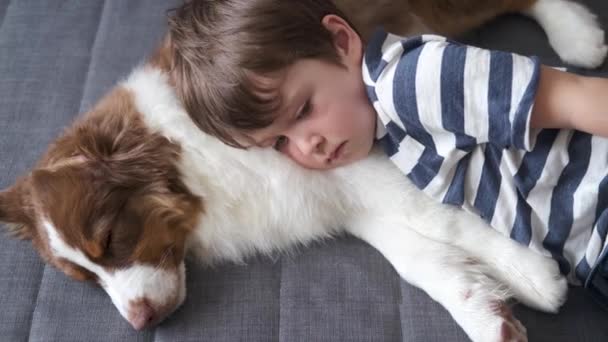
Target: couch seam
{"type": "Point", "coordinates": [31, 323]}
{"type": "Point", "coordinates": [3, 17]}
{"type": "Point", "coordinates": [400, 304]}
{"type": "Point", "coordinates": [280, 298]}
{"type": "Point", "coordinates": [29, 330]}
{"type": "Point", "coordinates": [95, 41]}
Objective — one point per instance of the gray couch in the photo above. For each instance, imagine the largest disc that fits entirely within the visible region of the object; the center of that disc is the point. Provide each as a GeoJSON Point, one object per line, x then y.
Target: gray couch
{"type": "Point", "coordinates": [56, 58]}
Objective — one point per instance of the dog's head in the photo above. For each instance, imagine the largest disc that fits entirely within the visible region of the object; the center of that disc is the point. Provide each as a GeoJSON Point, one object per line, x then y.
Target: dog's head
{"type": "Point", "coordinates": [106, 204]}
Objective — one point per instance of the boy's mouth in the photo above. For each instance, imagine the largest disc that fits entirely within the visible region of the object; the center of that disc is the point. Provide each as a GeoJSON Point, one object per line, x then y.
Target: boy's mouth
{"type": "Point", "coordinates": [335, 155]}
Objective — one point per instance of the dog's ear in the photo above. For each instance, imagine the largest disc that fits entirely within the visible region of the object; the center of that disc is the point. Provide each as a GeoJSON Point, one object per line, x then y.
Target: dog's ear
{"type": "Point", "coordinates": [15, 210]}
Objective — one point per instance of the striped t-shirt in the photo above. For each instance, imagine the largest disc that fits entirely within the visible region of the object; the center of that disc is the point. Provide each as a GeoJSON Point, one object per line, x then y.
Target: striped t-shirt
{"type": "Point", "coordinates": [456, 120]}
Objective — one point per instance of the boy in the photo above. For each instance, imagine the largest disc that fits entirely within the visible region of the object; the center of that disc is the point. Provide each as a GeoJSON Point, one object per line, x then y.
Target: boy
{"type": "Point", "coordinates": [469, 127]}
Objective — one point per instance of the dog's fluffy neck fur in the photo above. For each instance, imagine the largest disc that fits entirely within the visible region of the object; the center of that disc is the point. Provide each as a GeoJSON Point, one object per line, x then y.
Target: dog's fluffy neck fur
{"type": "Point", "coordinates": [229, 180]}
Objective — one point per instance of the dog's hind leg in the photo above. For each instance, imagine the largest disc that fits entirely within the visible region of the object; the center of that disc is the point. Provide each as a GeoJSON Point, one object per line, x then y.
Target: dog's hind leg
{"type": "Point", "coordinates": [572, 30]}
{"type": "Point", "coordinates": [453, 17]}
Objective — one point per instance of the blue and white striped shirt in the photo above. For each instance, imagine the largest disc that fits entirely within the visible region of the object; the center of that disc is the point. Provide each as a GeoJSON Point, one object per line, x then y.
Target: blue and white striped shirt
{"type": "Point", "coordinates": [456, 120]}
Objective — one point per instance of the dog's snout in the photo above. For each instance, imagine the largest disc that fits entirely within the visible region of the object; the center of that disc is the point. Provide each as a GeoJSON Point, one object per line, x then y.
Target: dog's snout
{"type": "Point", "coordinates": [141, 315]}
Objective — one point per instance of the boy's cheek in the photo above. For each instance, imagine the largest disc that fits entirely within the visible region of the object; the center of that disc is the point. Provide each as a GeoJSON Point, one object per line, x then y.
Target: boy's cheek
{"type": "Point", "coordinates": [291, 153]}
{"type": "Point", "coordinates": [296, 156]}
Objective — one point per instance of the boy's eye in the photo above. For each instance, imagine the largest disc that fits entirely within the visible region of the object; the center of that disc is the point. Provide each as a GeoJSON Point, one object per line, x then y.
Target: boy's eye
{"type": "Point", "coordinates": [304, 111]}
{"type": "Point", "coordinates": [280, 143]}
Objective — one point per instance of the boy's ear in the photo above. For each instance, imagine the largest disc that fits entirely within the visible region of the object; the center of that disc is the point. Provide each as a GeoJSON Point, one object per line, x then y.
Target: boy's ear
{"type": "Point", "coordinates": [14, 210]}
{"type": "Point", "coordinates": [346, 39]}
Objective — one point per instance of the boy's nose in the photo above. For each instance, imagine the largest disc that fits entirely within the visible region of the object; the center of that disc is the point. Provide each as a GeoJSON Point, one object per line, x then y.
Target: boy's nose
{"type": "Point", "coordinates": [311, 145]}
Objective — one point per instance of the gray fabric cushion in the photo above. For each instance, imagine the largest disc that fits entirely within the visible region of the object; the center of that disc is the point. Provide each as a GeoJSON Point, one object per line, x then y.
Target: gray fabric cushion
{"type": "Point", "coordinates": [57, 58]}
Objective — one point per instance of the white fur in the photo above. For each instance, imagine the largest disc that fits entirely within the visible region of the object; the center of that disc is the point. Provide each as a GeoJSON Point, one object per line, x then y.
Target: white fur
{"type": "Point", "coordinates": [260, 201]}
{"type": "Point", "coordinates": [125, 286]}
{"type": "Point", "coordinates": [573, 31]}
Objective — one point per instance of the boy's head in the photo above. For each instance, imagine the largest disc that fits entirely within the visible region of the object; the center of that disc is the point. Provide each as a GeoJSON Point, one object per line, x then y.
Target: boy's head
{"type": "Point", "coordinates": [274, 73]}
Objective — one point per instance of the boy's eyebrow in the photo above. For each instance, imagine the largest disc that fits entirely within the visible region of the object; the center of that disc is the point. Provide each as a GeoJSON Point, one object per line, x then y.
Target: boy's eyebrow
{"type": "Point", "coordinates": [288, 93]}
{"type": "Point", "coordinates": [254, 142]}
{"type": "Point", "coordinates": [258, 137]}
{"type": "Point", "coordinates": [290, 104]}
{"type": "Point", "coordinates": [287, 101]}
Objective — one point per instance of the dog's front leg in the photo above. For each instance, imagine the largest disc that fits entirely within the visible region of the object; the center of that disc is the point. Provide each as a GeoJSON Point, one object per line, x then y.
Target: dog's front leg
{"type": "Point", "coordinates": [534, 279]}
{"type": "Point", "coordinates": [449, 275]}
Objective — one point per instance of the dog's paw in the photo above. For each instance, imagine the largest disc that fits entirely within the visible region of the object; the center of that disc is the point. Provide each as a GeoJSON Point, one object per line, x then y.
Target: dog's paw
{"type": "Point", "coordinates": [573, 31]}
{"type": "Point", "coordinates": [537, 282]}
{"type": "Point", "coordinates": [480, 306]}
{"type": "Point", "coordinates": [510, 328]}
{"type": "Point", "coordinates": [554, 291]}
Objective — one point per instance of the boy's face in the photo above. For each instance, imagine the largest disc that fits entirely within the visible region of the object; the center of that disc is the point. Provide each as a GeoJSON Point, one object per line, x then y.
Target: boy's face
{"type": "Point", "coordinates": [325, 119]}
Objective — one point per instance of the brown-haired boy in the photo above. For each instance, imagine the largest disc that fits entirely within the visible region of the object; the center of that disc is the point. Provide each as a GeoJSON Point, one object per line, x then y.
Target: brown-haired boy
{"type": "Point", "coordinates": [470, 127]}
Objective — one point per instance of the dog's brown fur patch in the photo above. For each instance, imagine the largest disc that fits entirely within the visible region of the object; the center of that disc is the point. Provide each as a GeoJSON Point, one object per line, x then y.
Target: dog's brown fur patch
{"type": "Point", "coordinates": [446, 17]}
{"type": "Point", "coordinates": [112, 190]}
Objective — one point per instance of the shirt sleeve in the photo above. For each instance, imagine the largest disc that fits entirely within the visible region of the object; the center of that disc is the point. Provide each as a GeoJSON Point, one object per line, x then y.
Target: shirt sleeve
{"type": "Point", "coordinates": [446, 95]}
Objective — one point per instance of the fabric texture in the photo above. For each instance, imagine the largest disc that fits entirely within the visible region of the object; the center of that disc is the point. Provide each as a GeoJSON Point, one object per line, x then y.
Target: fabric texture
{"type": "Point", "coordinates": [57, 57]}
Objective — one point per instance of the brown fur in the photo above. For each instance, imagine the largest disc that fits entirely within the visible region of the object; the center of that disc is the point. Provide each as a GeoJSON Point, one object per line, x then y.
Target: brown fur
{"type": "Point", "coordinates": [161, 58]}
{"type": "Point", "coordinates": [122, 199]}
{"type": "Point", "coordinates": [15, 209]}
{"type": "Point", "coordinates": [446, 17]}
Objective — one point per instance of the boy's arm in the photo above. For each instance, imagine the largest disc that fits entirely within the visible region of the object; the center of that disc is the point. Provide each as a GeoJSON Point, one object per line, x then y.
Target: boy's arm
{"type": "Point", "coordinates": [566, 100]}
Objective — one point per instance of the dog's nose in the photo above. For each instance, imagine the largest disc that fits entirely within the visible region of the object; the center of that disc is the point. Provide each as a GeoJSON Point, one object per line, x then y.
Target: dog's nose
{"type": "Point", "coordinates": [141, 315]}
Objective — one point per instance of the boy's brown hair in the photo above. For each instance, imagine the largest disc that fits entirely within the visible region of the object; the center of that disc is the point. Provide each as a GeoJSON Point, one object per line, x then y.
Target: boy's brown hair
{"type": "Point", "coordinates": [228, 56]}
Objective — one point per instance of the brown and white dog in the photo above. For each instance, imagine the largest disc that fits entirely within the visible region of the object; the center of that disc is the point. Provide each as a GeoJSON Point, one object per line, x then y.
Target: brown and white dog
{"type": "Point", "coordinates": [134, 185]}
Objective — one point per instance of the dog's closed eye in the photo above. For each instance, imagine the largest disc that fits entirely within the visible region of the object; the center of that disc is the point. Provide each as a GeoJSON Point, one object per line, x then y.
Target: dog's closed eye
{"type": "Point", "coordinates": [108, 241]}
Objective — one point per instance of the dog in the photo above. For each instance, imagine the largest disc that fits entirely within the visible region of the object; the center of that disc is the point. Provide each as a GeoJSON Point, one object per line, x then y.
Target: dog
{"type": "Point", "coordinates": [133, 186]}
